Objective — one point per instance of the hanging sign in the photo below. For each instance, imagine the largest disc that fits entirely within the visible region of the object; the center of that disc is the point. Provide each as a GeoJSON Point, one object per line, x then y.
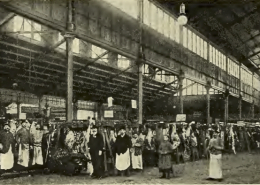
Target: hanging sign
{"type": "Point", "coordinates": [110, 101]}
{"type": "Point", "coordinates": [133, 104]}
{"type": "Point", "coordinates": [197, 114]}
{"type": "Point", "coordinates": [181, 117]}
{"type": "Point", "coordinates": [29, 109]}
{"type": "Point", "coordinates": [108, 113]}
{"type": "Point", "coordinates": [240, 123]}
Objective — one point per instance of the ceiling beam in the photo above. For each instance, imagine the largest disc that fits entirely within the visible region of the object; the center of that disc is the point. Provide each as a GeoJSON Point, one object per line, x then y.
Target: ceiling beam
{"type": "Point", "coordinates": [63, 66]}
{"type": "Point", "coordinates": [86, 83]}
{"type": "Point", "coordinates": [61, 63]}
{"type": "Point", "coordinates": [92, 62]}
{"type": "Point", "coordinates": [6, 19]}
{"type": "Point", "coordinates": [254, 54]}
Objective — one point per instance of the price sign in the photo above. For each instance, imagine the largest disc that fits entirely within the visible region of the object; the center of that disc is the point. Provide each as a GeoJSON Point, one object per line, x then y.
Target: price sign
{"type": "Point", "coordinates": [181, 117]}
{"type": "Point", "coordinates": [108, 113]}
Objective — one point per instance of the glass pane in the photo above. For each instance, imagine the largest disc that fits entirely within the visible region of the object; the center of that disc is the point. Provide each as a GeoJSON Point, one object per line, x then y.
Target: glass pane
{"type": "Point", "coordinates": [97, 51]}
{"type": "Point", "coordinates": [221, 61]}
{"type": "Point", "coordinates": [147, 12]}
{"type": "Point", "coordinates": [214, 55]}
{"type": "Point", "coordinates": [37, 36]}
{"type": "Point", "coordinates": [198, 45]}
{"type": "Point", "coordinates": [27, 25]}
{"type": "Point", "coordinates": [37, 27]}
{"type": "Point", "coordinates": [205, 50]}
{"type": "Point", "coordinates": [210, 54]}
{"type": "Point", "coordinates": [185, 37]}
{"type": "Point", "coordinates": [195, 89]}
{"type": "Point", "coordinates": [18, 23]}
{"type": "Point", "coordinates": [190, 40]}
{"type": "Point", "coordinates": [189, 89]}
{"type": "Point", "coordinates": [130, 7]}
{"type": "Point", "coordinates": [76, 45]}
{"type": "Point", "coordinates": [166, 30]}
{"type": "Point", "coordinates": [62, 46]}
{"type": "Point", "coordinates": [123, 62]}
{"type": "Point", "coordinates": [217, 54]}
{"type": "Point", "coordinates": [172, 28]}
{"type": "Point", "coordinates": [160, 22]}
{"type": "Point", "coordinates": [200, 89]}
{"type": "Point", "coordinates": [177, 28]}
{"type": "Point", "coordinates": [194, 39]}
{"type": "Point", "coordinates": [153, 16]}
{"type": "Point", "coordinates": [163, 76]}
{"type": "Point", "coordinates": [201, 47]}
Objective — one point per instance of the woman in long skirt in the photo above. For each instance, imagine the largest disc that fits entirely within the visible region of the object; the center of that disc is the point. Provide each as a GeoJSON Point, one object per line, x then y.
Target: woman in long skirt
{"type": "Point", "coordinates": [165, 152]}
{"type": "Point", "coordinates": [215, 165]}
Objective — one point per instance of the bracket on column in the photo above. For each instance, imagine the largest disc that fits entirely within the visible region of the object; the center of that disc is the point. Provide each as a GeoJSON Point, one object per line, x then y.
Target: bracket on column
{"type": "Point", "coordinates": [181, 76]}
{"type": "Point", "coordinates": [226, 93]}
{"type": "Point", "coordinates": [208, 85]}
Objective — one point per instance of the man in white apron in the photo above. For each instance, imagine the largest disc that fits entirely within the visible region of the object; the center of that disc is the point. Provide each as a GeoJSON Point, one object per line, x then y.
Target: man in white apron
{"type": "Point", "coordinates": [23, 140]}
{"type": "Point", "coordinates": [122, 149]}
{"type": "Point", "coordinates": [37, 136]}
{"type": "Point", "coordinates": [7, 143]}
{"type": "Point", "coordinates": [215, 165]}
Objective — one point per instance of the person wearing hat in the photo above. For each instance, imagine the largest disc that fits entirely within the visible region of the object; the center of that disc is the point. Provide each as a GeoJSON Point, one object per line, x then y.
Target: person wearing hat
{"type": "Point", "coordinates": [215, 148]}
{"type": "Point", "coordinates": [23, 140]}
{"type": "Point", "coordinates": [122, 149]}
{"type": "Point", "coordinates": [96, 146]}
{"type": "Point", "coordinates": [136, 152]}
{"type": "Point", "coordinates": [165, 153]}
{"type": "Point", "coordinates": [37, 136]}
{"type": "Point", "coordinates": [7, 146]}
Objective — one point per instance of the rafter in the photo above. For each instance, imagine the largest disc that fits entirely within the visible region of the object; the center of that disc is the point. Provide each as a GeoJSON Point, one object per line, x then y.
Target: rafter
{"type": "Point", "coordinates": [92, 62]}
{"type": "Point", "coordinates": [6, 19]}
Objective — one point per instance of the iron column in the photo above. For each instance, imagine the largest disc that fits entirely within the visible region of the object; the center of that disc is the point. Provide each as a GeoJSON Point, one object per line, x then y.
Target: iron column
{"type": "Point", "coordinates": [208, 86]}
{"type": "Point", "coordinates": [69, 36]}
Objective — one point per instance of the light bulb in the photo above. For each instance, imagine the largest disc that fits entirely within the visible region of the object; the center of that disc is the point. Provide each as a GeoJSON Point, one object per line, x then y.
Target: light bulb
{"type": "Point", "coordinates": [182, 19]}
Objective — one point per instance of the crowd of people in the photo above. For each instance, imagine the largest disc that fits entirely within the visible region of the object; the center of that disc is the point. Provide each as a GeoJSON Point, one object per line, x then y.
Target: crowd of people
{"type": "Point", "coordinates": [122, 149]}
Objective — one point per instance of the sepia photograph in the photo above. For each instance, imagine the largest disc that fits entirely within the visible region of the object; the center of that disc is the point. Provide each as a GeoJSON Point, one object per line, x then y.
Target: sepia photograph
{"type": "Point", "coordinates": [129, 92]}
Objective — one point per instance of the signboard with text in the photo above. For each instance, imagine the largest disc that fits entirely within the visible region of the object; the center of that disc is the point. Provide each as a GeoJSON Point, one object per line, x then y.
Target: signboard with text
{"type": "Point", "coordinates": [108, 113]}
{"type": "Point", "coordinates": [181, 117]}
{"type": "Point", "coordinates": [29, 109]}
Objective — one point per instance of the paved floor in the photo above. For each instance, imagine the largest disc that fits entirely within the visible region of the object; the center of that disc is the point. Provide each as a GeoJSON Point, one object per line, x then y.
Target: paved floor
{"type": "Point", "coordinates": [237, 169]}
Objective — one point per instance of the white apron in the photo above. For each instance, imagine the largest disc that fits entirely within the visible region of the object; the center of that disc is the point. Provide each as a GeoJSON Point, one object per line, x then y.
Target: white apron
{"type": "Point", "coordinates": [7, 160]}
{"type": "Point", "coordinates": [37, 155]}
{"type": "Point", "coordinates": [123, 161]}
{"type": "Point", "coordinates": [137, 161]}
{"type": "Point", "coordinates": [215, 166]}
{"type": "Point", "coordinates": [23, 156]}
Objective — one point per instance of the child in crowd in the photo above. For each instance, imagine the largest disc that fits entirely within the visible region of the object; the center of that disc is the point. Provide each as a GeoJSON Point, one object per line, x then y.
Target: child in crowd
{"type": "Point", "coordinates": [165, 151]}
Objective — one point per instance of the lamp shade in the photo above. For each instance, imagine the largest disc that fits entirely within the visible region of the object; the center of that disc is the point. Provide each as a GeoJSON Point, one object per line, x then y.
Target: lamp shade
{"type": "Point", "coordinates": [182, 19]}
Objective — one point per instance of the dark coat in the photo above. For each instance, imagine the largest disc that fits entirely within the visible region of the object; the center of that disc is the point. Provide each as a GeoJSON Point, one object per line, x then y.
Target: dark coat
{"type": "Point", "coordinates": [96, 144]}
{"type": "Point", "coordinates": [7, 140]}
{"type": "Point", "coordinates": [122, 144]}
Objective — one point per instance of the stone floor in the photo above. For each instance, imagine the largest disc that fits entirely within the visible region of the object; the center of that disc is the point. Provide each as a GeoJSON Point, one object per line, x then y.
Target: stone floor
{"type": "Point", "coordinates": [237, 169]}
